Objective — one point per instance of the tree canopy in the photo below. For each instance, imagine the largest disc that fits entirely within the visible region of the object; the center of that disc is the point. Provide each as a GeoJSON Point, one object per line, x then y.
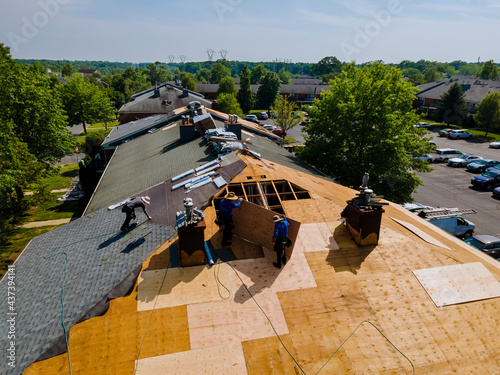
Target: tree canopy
{"type": "Point", "coordinates": [451, 108]}
{"type": "Point", "coordinates": [326, 65]}
{"type": "Point", "coordinates": [227, 103]}
{"type": "Point", "coordinates": [365, 124]}
{"type": "Point", "coordinates": [227, 86]}
{"type": "Point", "coordinates": [85, 103]}
{"type": "Point", "coordinates": [488, 112]}
{"type": "Point", "coordinates": [268, 90]}
{"type": "Point", "coordinates": [245, 96]}
{"type": "Point", "coordinates": [489, 70]}
{"type": "Point", "coordinates": [286, 113]}
{"type": "Point", "coordinates": [219, 71]}
{"type": "Point", "coordinates": [257, 75]}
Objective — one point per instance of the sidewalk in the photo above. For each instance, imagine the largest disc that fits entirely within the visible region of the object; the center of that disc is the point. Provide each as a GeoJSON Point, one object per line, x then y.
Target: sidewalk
{"type": "Point", "coordinates": [35, 224]}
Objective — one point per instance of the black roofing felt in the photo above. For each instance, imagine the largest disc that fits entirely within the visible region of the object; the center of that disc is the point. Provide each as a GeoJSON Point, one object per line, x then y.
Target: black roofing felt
{"type": "Point", "coordinates": [99, 258]}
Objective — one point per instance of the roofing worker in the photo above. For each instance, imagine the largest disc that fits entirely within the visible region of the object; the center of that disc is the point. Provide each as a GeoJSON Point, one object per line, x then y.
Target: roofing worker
{"type": "Point", "coordinates": [229, 202]}
{"type": "Point", "coordinates": [129, 210]}
{"type": "Point", "coordinates": [280, 239]}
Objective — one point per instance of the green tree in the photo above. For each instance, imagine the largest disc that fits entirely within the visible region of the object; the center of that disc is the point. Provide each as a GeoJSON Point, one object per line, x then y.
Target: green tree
{"type": "Point", "coordinates": [285, 77]}
{"type": "Point", "coordinates": [488, 112]}
{"type": "Point", "coordinates": [19, 171]}
{"type": "Point", "coordinates": [286, 113]}
{"type": "Point", "coordinates": [364, 123]}
{"type": "Point", "coordinates": [218, 72]}
{"type": "Point", "coordinates": [85, 103]}
{"type": "Point", "coordinates": [227, 103]}
{"type": "Point", "coordinates": [258, 73]}
{"type": "Point", "coordinates": [188, 81]}
{"type": "Point", "coordinates": [203, 75]}
{"type": "Point", "coordinates": [227, 86]}
{"type": "Point", "coordinates": [469, 69]}
{"type": "Point", "coordinates": [489, 70]}
{"type": "Point", "coordinates": [245, 96]}
{"type": "Point", "coordinates": [432, 75]}
{"type": "Point", "coordinates": [268, 90]}
{"type": "Point", "coordinates": [68, 70]}
{"type": "Point", "coordinates": [326, 65]}
{"type": "Point", "coordinates": [451, 108]}
{"type": "Point", "coordinates": [29, 102]}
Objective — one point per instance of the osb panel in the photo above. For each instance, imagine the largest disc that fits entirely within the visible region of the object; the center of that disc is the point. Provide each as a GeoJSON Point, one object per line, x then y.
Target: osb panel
{"type": "Point", "coordinates": [110, 344]}
{"type": "Point", "coordinates": [234, 320]}
{"type": "Point", "coordinates": [426, 237]}
{"type": "Point", "coordinates": [255, 224]}
{"type": "Point", "coordinates": [181, 286]}
{"type": "Point", "coordinates": [303, 210]}
{"type": "Point", "coordinates": [223, 359]}
{"type": "Point", "coordinates": [458, 283]}
{"type": "Point", "coordinates": [260, 275]}
{"type": "Point", "coordinates": [365, 352]}
{"type": "Point", "coordinates": [315, 237]}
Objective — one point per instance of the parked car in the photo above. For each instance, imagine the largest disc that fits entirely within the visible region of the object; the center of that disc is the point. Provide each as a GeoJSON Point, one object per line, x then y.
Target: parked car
{"type": "Point", "coordinates": [445, 154]}
{"type": "Point", "coordinates": [495, 144]}
{"type": "Point", "coordinates": [459, 134]}
{"type": "Point", "coordinates": [488, 180]}
{"type": "Point", "coordinates": [261, 115]}
{"type": "Point", "coordinates": [496, 193]}
{"type": "Point", "coordinates": [253, 118]}
{"type": "Point", "coordinates": [279, 132]}
{"type": "Point", "coordinates": [422, 124]}
{"type": "Point", "coordinates": [444, 132]}
{"type": "Point", "coordinates": [425, 157]}
{"type": "Point", "coordinates": [486, 243]}
{"type": "Point", "coordinates": [480, 166]}
{"type": "Point", "coordinates": [416, 207]}
{"type": "Point", "coordinates": [463, 160]}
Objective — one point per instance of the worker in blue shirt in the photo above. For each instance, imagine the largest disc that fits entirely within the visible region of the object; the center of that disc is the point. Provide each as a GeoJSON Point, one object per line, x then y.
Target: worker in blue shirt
{"type": "Point", "coordinates": [225, 216]}
{"type": "Point", "coordinates": [280, 239]}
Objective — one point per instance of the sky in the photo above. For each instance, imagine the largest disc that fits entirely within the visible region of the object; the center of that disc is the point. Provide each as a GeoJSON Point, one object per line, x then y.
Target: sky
{"type": "Point", "coordinates": [252, 30]}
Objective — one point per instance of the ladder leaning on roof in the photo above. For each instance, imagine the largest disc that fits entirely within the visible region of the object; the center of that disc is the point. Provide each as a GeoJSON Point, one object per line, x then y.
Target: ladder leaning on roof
{"type": "Point", "coordinates": [444, 212]}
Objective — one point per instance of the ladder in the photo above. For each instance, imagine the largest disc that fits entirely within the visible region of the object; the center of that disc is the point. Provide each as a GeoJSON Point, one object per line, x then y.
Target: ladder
{"type": "Point", "coordinates": [440, 213]}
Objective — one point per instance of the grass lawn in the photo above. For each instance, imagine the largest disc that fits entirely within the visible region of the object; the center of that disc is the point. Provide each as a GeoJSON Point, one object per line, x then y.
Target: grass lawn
{"type": "Point", "coordinates": [53, 210]}
{"type": "Point", "coordinates": [12, 243]}
{"type": "Point", "coordinates": [61, 178]}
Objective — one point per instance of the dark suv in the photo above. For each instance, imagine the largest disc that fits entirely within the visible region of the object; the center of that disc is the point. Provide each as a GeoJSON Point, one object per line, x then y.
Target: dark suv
{"type": "Point", "coordinates": [487, 180]}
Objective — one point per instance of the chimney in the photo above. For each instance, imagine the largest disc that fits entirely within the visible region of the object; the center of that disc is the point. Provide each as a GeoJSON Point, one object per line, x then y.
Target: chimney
{"type": "Point", "coordinates": [234, 126]}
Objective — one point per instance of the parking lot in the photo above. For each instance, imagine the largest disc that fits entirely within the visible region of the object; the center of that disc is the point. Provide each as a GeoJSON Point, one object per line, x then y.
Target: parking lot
{"type": "Point", "coordinates": [450, 187]}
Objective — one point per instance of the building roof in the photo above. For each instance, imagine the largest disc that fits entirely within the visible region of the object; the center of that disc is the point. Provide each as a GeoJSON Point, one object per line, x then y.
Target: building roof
{"type": "Point", "coordinates": [100, 265]}
{"type": "Point", "coordinates": [170, 97]}
{"type": "Point", "coordinates": [133, 129]}
{"type": "Point", "coordinates": [420, 299]}
{"type": "Point", "coordinates": [284, 89]}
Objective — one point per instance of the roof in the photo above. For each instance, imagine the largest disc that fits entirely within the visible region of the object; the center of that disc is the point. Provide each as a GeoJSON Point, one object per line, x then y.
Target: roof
{"type": "Point", "coordinates": [170, 97]}
{"type": "Point", "coordinates": [284, 89]}
{"type": "Point", "coordinates": [147, 161]}
{"type": "Point", "coordinates": [99, 260]}
{"type": "Point", "coordinates": [130, 129]}
{"type": "Point", "coordinates": [418, 282]}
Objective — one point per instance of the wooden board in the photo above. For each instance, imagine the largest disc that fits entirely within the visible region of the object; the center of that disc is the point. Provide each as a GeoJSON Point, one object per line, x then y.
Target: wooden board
{"type": "Point", "coordinates": [255, 224]}
{"type": "Point", "coordinates": [226, 322]}
{"type": "Point", "coordinates": [459, 283]}
{"type": "Point", "coordinates": [259, 275]}
{"type": "Point", "coordinates": [181, 286]}
{"type": "Point", "coordinates": [315, 237]}
{"type": "Point", "coordinates": [419, 232]}
{"type": "Point", "coordinates": [224, 359]}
